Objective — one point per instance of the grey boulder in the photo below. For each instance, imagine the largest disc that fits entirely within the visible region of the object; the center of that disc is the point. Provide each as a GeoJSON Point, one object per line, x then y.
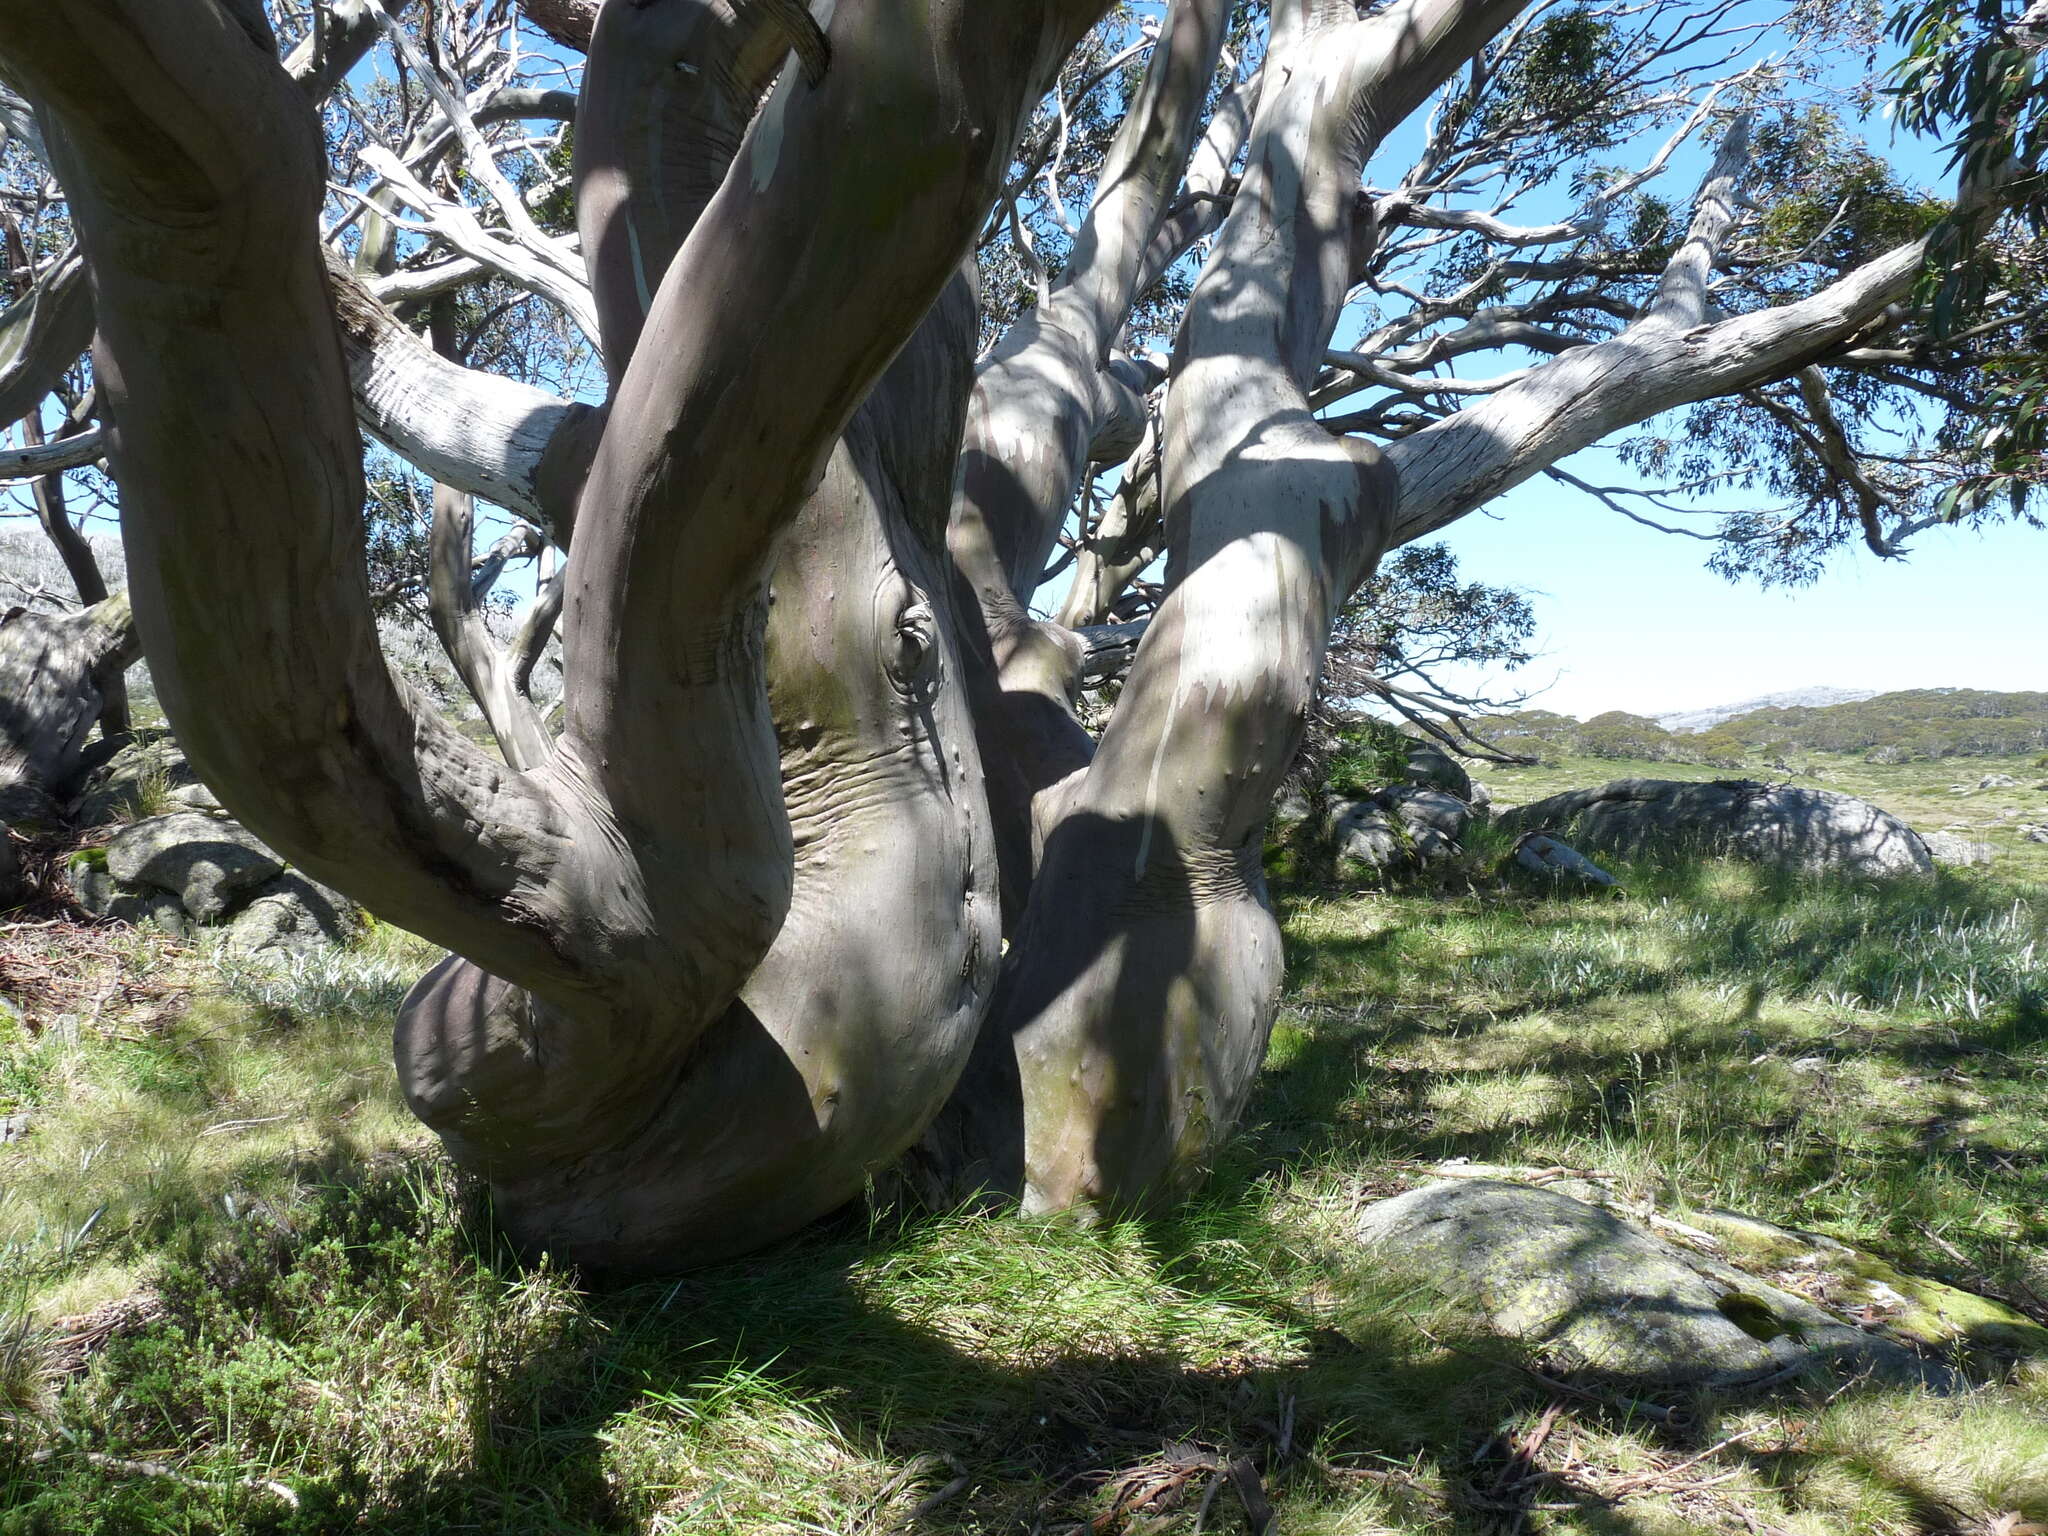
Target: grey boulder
{"type": "Point", "coordinates": [206, 862]}
{"type": "Point", "coordinates": [98, 892]}
{"type": "Point", "coordinates": [1998, 781]}
{"type": "Point", "coordinates": [1432, 768]}
{"type": "Point", "coordinates": [1592, 1293]}
{"type": "Point", "coordinates": [293, 914]}
{"type": "Point", "coordinates": [1363, 833]}
{"type": "Point", "coordinates": [1947, 848]}
{"type": "Point", "coordinates": [1399, 825]}
{"type": "Point", "coordinates": [1785, 825]}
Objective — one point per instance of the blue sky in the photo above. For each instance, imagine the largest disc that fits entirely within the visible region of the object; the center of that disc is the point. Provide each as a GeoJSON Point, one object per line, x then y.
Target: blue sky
{"type": "Point", "coordinates": [1630, 618]}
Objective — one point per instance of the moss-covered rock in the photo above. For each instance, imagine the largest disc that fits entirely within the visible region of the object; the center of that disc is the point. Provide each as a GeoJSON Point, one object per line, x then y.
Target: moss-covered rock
{"type": "Point", "coordinates": [1911, 1306]}
{"type": "Point", "coordinates": [1595, 1293]}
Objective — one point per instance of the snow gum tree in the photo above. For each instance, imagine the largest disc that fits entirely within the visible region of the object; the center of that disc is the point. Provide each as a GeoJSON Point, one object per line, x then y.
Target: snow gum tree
{"type": "Point", "coordinates": [818, 874]}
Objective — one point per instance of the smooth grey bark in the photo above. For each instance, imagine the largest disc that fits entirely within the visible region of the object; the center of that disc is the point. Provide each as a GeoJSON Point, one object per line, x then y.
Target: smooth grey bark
{"type": "Point", "coordinates": [627, 889]}
{"type": "Point", "coordinates": [454, 604]}
{"type": "Point", "coordinates": [1041, 400]}
{"type": "Point", "coordinates": [41, 334]}
{"type": "Point", "coordinates": [52, 458]}
{"type": "Point", "coordinates": [853, 1027]}
{"type": "Point", "coordinates": [1134, 1009]}
{"type": "Point", "coordinates": [520, 447]}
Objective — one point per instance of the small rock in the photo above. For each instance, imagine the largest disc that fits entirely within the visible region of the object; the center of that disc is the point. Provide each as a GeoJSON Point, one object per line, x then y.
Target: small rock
{"type": "Point", "coordinates": [293, 914]}
{"type": "Point", "coordinates": [1431, 768]}
{"type": "Point", "coordinates": [2038, 835]}
{"type": "Point", "coordinates": [197, 797]}
{"type": "Point", "coordinates": [1597, 1294]}
{"type": "Point", "coordinates": [1998, 781]}
{"type": "Point", "coordinates": [26, 806]}
{"type": "Point", "coordinates": [1547, 856]}
{"type": "Point", "coordinates": [96, 890]}
{"type": "Point", "coordinates": [1290, 806]}
{"type": "Point", "coordinates": [118, 787]}
{"type": "Point", "coordinates": [207, 862]}
{"type": "Point", "coordinates": [15, 1127]}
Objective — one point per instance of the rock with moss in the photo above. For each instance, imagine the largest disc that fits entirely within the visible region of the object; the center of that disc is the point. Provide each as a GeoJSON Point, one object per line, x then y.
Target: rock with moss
{"type": "Point", "coordinates": [1396, 827]}
{"type": "Point", "coordinates": [1592, 1293]}
{"type": "Point", "coordinates": [1912, 1306]}
{"type": "Point", "coordinates": [207, 862]}
{"type": "Point", "coordinates": [1785, 825]}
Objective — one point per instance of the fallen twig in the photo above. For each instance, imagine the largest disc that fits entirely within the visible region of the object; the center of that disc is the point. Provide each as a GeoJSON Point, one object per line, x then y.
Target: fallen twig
{"type": "Point", "coordinates": [121, 1464]}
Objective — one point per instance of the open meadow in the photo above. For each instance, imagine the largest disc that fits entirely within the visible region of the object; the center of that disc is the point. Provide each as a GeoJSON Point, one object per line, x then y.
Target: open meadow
{"type": "Point", "coordinates": [245, 1293]}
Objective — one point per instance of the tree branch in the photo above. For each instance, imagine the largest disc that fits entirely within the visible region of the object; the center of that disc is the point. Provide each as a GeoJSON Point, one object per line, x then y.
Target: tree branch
{"type": "Point", "coordinates": [1464, 461]}
{"type": "Point", "coordinates": [38, 459]}
{"type": "Point", "coordinates": [42, 333]}
{"type": "Point", "coordinates": [520, 447]}
{"type": "Point", "coordinates": [193, 165]}
{"type": "Point", "coordinates": [453, 593]}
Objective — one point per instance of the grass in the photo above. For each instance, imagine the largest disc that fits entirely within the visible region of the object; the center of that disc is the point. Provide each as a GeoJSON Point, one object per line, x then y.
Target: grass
{"type": "Point", "coordinates": [245, 1295]}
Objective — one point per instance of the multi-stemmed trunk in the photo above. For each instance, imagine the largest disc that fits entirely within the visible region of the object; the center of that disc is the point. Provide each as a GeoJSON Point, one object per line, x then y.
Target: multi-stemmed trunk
{"type": "Point", "coordinates": [821, 863]}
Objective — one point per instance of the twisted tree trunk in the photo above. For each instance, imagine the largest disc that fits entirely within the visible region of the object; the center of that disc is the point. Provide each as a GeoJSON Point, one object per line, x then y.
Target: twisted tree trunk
{"type": "Point", "coordinates": [596, 1055]}
{"type": "Point", "coordinates": [723, 949]}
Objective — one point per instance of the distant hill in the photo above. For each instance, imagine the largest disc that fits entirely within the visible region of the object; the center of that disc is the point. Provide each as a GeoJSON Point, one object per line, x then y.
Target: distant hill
{"type": "Point", "coordinates": [1917, 725]}
{"type": "Point", "coordinates": [1685, 720]}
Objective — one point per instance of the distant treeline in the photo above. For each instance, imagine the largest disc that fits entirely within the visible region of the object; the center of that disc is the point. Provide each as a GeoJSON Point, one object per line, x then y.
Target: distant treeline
{"type": "Point", "coordinates": [1917, 725]}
